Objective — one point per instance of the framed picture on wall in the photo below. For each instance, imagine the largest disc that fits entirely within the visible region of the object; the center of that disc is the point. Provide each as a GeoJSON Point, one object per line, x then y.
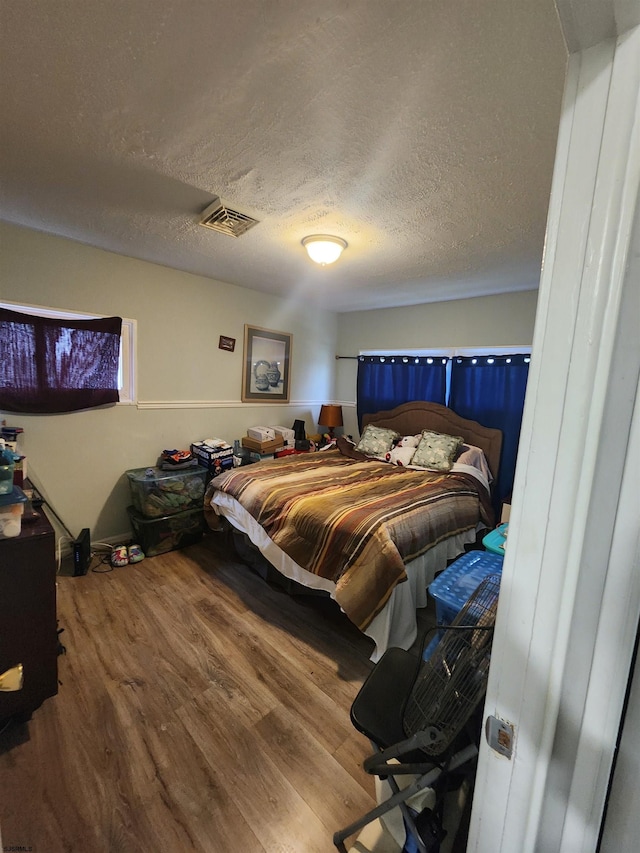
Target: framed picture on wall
{"type": "Point", "coordinates": [227, 343]}
{"type": "Point", "coordinates": [266, 366]}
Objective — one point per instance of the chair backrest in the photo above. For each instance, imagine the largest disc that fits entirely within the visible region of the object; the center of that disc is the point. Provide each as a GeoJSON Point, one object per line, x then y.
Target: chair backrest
{"type": "Point", "coordinates": [452, 681]}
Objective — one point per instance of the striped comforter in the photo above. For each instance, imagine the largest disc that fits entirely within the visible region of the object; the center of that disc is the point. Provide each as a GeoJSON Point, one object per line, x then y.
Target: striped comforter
{"type": "Point", "coordinates": [355, 522]}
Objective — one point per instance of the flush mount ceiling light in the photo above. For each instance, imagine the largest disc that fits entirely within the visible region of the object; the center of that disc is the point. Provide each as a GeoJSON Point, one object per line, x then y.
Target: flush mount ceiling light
{"type": "Point", "coordinates": [324, 249]}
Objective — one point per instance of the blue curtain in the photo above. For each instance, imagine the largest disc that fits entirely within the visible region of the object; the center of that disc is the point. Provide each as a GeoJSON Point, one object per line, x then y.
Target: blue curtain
{"type": "Point", "coordinates": [491, 389]}
{"type": "Point", "coordinates": [385, 382]}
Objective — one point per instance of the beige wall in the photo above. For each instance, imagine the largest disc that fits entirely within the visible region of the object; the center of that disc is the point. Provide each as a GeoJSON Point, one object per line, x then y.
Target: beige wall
{"type": "Point", "coordinates": [80, 458]}
{"type": "Point", "coordinates": [193, 388]}
{"type": "Point", "coordinates": [485, 321]}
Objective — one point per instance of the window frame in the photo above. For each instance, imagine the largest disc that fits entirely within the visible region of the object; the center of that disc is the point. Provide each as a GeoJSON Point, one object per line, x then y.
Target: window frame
{"type": "Point", "coordinates": [128, 337]}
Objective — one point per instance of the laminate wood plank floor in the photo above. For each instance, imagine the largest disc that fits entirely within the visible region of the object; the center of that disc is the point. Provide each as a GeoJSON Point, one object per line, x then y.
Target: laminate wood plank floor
{"type": "Point", "coordinates": [199, 709]}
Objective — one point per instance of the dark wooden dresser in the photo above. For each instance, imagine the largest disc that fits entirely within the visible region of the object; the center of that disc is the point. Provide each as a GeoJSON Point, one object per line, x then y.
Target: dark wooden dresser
{"type": "Point", "coordinates": [28, 625]}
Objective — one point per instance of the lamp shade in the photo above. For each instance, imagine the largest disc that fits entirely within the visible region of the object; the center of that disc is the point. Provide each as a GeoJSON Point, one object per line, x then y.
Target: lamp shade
{"type": "Point", "coordinates": [330, 416]}
{"type": "Point", "coordinates": [324, 249]}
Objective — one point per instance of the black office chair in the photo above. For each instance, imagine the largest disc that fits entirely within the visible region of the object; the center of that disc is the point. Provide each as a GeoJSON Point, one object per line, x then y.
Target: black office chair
{"type": "Point", "coordinates": [423, 716]}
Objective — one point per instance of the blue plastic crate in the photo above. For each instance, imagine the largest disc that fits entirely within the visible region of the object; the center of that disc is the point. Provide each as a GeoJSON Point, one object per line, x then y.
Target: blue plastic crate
{"type": "Point", "coordinates": [454, 586]}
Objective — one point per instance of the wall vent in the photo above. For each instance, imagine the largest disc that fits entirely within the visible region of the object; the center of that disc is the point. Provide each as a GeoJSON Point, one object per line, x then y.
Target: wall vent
{"type": "Point", "coordinates": [218, 217]}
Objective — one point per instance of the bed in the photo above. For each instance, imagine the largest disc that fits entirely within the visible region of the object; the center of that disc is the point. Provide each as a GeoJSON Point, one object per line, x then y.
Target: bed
{"type": "Point", "coordinates": [371, 534]}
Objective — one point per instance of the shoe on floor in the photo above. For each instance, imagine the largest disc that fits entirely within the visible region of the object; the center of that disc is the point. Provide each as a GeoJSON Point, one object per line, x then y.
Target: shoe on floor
{"type": "Point", "coordinates": [119, 556]}
{"type": "Point", "coordinates": [135, 554]}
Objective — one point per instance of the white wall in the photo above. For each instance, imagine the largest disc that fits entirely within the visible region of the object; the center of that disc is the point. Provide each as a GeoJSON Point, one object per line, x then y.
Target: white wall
{"type": "Point", "coordinates": [80, 458]}
{"type": "Point", "coordinates": [503, 320]}
{"type": "Point", "coordinates": [570, 592]}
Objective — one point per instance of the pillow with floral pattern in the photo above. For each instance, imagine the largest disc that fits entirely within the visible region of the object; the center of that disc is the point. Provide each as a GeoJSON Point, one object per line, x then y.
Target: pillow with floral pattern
{"type": "Point", "coordinates": [437, 451]}
{"type": "Point", "coordinates": [376, 441]}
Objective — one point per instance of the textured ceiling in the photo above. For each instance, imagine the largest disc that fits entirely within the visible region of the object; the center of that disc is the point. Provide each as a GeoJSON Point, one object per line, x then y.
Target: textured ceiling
{"type": "Point", "coordinates": [421, 131]}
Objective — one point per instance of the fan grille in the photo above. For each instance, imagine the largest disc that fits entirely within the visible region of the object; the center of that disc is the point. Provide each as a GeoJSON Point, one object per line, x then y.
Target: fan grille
{"type": "Point", "coordinates": [219, 217]}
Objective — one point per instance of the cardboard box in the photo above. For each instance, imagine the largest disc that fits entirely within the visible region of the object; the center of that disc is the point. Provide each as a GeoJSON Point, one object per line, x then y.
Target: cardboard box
{"type": "Point", "coordinates": [261, 433]}
{"type": "Point", "coordinates": [286, 451]}
{"type": "Point", "coordinates": [212, 457]}
{"type": "Point", "coordinates": [287, 434]}
{"type": "Point", "coordinates": [217, 466]}
{"type": "Point", "coordinates": [263, 447]}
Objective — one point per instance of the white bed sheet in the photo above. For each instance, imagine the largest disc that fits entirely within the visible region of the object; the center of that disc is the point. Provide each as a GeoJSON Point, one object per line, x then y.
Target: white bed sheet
{"type": "Point", "coordinates": [396, 624]}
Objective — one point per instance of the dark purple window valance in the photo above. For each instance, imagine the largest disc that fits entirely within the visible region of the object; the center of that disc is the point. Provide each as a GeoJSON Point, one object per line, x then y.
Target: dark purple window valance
{"type": "Point", "coordinates": [52, 365]}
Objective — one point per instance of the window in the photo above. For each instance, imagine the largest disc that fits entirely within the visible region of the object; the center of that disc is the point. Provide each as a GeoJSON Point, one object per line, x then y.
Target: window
{"type": "Point", "coordinates": [126, 360]}
{"type": "Point", "coordinates": [449, 353]}
{"type": "Point", "coordinates": [387, 381]}
{"type": "Point", "coordinates": [485, 384]}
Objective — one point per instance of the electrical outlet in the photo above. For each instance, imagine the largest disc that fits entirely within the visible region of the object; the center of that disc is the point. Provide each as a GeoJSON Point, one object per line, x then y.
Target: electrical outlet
{"type": "Point", "coordinates": [500, 735]}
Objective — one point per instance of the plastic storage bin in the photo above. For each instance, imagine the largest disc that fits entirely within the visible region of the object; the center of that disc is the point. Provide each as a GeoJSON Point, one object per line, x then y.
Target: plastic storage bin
{"type": "Point", "coordinates": [454, 586]}
{"type": "Point", "coordinates": [7, 464]}
{"type": "Point", "coordinates": [11, 512]}
{"type": "Point", "coordinates": [169, 533]}
{"type": "Point", "coordinates": [156, 493]}
{"type": "Point", "coordinates": [496, 540]}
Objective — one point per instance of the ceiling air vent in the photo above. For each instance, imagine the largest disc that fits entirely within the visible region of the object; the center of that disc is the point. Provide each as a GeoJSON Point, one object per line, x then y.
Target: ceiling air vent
{"type": "Point", "coordinates": [218, 217]}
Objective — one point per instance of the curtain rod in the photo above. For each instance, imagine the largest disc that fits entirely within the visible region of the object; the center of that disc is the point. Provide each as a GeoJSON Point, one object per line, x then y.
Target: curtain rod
{"type": "Point", "coordinates": [354, 357]}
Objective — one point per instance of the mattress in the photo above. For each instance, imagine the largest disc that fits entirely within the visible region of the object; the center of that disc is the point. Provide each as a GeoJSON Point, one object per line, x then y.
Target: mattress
{"type": "Point", "coordinates": [396, 624]}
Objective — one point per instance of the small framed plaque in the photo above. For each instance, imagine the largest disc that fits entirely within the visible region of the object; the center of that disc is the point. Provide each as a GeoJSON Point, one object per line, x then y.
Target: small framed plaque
{"type": "Point", "coordinates": [227, 343]}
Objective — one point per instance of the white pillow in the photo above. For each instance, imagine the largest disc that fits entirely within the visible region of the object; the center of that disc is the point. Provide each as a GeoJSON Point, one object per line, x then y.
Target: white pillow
{"type": "Point", "coordinates": [474, 456]}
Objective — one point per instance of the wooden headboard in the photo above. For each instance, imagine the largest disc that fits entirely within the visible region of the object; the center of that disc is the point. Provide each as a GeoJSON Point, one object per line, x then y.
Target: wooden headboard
{"type": "Point", "coordinates": [411, 418]}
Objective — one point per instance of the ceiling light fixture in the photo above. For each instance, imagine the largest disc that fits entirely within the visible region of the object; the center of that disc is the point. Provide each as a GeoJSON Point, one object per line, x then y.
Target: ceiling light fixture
{"type": "Point", "coordinates": [324, 249]}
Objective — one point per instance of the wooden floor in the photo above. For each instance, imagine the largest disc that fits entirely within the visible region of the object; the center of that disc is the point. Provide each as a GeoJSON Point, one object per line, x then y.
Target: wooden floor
{"type": "Point", "coordinates": [199, 709]}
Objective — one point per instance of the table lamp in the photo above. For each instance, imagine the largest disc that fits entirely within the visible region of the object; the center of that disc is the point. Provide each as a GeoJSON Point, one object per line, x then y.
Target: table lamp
{"type": "Point", "coordinates": [330, 417]}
